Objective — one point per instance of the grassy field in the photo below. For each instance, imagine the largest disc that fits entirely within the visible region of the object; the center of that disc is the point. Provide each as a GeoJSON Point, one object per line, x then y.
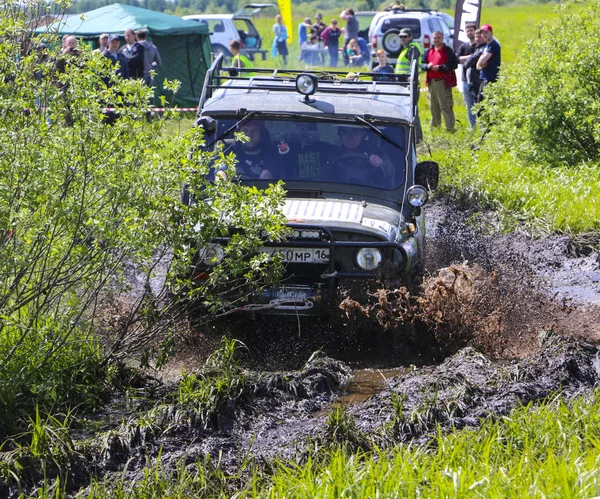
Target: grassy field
{"type": "Point", "coordinates": [551, 450]}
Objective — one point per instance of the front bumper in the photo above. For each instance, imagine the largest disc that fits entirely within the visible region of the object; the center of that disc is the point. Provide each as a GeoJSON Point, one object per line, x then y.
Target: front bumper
{"type": "Point", "coordinates": [311, 289]}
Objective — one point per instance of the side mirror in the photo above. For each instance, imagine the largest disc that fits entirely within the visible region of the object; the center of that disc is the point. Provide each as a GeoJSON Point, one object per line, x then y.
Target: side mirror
{"type": "Point", "coordinates": [206, 122]}
{"type": "Point", "coordinates": [427, 174]}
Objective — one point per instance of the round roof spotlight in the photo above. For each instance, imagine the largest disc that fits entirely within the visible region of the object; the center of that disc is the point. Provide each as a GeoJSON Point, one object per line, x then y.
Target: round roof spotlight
{"type": "Point", "coordinates": [306, 84]}
{"type": "Point", "coordinates": [417, 196]}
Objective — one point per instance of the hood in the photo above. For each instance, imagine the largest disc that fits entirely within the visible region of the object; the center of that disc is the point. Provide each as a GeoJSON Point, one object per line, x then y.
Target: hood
{"type": "Point", "coordinates": [357, 216]}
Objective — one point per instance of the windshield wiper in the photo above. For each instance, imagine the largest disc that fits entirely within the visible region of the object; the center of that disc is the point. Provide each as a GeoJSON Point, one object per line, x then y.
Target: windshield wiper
{"type": "Point", "coordinates": [378, 132]}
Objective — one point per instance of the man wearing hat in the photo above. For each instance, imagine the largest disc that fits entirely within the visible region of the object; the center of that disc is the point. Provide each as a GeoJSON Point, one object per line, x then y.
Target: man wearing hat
{"type": "Point", "coordinates": [112, 52]}
{"type": "Point", "coordinates": [411, 51]}
{"type": "Point", "coordinates": [489, 62]}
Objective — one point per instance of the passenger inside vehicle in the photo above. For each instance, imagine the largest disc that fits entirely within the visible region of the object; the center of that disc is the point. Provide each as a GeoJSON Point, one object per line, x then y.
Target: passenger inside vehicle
{"type": "Point", "coordinates": [318, 151]}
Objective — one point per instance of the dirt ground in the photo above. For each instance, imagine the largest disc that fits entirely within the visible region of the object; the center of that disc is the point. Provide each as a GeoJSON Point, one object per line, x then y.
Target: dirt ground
{"type": "Point", "coordinates": [516, 319]}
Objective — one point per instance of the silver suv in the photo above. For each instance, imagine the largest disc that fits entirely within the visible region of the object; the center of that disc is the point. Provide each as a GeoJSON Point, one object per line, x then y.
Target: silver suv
{"type": "Point", "coordinates": [224, 28]}
{"type": "Point", "coordinates": [385, 29]}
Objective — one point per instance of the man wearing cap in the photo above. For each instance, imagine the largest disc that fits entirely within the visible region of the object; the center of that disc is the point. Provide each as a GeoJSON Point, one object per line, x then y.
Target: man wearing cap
{"type": "Point", "coordinates": [440, 63]}
{"type": "Point", "coordinates": [464, 52]}
{"type": "Point", "coordinates": [411, 51]}
{"type": "Point", "coordinates": [489, 62]}
{"type": "Point", "coordinates": [319, 26]}
{"type": "Point", "coordinates": [112, 52]}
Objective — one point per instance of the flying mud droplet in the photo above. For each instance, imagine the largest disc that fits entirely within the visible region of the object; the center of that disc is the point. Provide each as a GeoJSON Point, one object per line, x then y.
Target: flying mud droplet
{"type": "Point", "coordinates": [460, 305]}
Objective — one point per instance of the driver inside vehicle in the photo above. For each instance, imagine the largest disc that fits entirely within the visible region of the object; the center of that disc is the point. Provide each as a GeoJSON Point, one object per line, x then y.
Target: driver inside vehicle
{"type": "Point", "coordinates": [358, 159]}
{"type": "Point", "coordinates": [258, 157]}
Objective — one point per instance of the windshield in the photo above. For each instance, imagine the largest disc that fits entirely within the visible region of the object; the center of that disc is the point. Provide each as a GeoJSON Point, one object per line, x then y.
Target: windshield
{"type": "Point", "coordinates": [319, 151]}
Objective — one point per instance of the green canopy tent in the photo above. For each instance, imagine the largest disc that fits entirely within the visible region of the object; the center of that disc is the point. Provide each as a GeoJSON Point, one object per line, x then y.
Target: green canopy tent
{"type": "Point", "coordinates": [184, 46]}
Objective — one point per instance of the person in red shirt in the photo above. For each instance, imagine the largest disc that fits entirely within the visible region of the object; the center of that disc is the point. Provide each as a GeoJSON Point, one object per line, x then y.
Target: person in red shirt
{"type": "Point", "coordinates": [440, 62]}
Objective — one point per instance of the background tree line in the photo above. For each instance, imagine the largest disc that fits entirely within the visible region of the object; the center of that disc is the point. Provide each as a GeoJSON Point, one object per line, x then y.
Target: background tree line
{"type": "Point", "coordinates": [182, 7]}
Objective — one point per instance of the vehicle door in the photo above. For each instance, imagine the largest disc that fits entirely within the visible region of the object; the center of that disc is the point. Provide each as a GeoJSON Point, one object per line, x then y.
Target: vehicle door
{"type": "Point", "coordinates": [246, 29]}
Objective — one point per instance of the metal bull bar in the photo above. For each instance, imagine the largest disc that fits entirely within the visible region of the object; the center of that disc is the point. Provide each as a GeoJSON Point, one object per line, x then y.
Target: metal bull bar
{"type": "Point", "coordinates": [333, 245]}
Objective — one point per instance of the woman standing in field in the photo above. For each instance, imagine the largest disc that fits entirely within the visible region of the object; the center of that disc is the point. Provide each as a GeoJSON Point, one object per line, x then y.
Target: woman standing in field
{"type": "Point", "coordinates": [280, 40]}
{"type": "Point", "coordinates": [331, 39]}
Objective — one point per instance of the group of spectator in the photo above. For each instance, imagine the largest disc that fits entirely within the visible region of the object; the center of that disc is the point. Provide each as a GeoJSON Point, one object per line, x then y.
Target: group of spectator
{"type": "Point", "coordinates": [135, 59]}
{"type": "Point", "coordinates": [320, 43]}
{"type": "Point", "coordinates": [480, 58]}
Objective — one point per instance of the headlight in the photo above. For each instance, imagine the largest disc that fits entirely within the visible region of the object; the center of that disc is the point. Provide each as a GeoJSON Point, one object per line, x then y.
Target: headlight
{"type": "Point", "coordinates": [306, 83]}
{"type": "Point", "coordinates": [417, 196]}
{"type": "Point", "coordinates": [211, 254]}
{"type": "Point", "coordinates": [368, 258]}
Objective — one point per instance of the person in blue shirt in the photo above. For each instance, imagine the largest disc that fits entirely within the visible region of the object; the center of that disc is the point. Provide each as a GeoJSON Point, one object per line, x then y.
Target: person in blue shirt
{"type": "Point", "coordinates": [280, 41]}
{"type": "Point", "coordinates": [304, 29]}
{"type": "Point", "coordinates": [489, 62]}
{"type": "Point", "coordinates": [385, 71]}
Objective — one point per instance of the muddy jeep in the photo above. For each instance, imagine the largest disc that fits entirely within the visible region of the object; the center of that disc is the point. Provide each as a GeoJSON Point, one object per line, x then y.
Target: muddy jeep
{"type": "Point", "coordinates": [344, 145]}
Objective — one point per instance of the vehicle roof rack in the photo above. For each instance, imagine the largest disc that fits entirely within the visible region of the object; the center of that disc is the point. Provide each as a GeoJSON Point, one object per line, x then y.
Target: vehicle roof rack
{"type": "Point", "coordinates": [270, 79]}
{"type": "Point", "coordinates": [398, 9]}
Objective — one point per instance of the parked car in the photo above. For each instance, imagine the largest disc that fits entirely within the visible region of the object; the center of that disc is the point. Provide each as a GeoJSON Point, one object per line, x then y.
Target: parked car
{"type": "Point", "coordinates": [224, 28]}
{"type": "Point", "coordinates": [346, 151]}
{"type": "Point", "coordinates": [385, 29]}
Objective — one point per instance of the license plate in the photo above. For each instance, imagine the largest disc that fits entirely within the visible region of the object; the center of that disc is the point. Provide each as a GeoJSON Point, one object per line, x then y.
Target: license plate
{"type": "Point", "coordinates": [292, 294]}
{"type": "Point", "coordinates": [299, 255]}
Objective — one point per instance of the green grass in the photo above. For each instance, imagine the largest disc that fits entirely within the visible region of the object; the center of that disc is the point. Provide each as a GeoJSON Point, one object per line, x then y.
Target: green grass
{"type": "Point", "coordinates": [549, 450]}
{"type": "Point", "coordinates": [549, 199]}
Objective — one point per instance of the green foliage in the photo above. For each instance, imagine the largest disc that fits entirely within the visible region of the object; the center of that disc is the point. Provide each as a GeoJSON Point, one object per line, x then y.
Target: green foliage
{"type": "Point", "coordinates": [544, 198]}
{"type": "Point", "coordinates": [544, 109]}
{"type": "Point", "coordinates": [84, 198]}
{"type": "Point", "coordinates": [209, 393]}
{"type": "Point", "coordinates": [342, 431]}
{"type": "Point", "coordinates": [159, 480]}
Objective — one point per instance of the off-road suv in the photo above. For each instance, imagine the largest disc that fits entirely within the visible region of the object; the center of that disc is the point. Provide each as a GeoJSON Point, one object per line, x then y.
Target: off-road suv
{"type": "Point", "coordinates": [345, 149]}
{"type": "Point", "coordinates": [385, 29]}
{"type": "Point", "coordinates": [224, 28]}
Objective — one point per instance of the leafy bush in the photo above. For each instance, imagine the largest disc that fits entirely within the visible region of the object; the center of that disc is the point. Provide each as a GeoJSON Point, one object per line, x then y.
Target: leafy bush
{"type": "Point", "coordinates": [86, 197]}
{"type": "Point", "coordinates": [544, 108]}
